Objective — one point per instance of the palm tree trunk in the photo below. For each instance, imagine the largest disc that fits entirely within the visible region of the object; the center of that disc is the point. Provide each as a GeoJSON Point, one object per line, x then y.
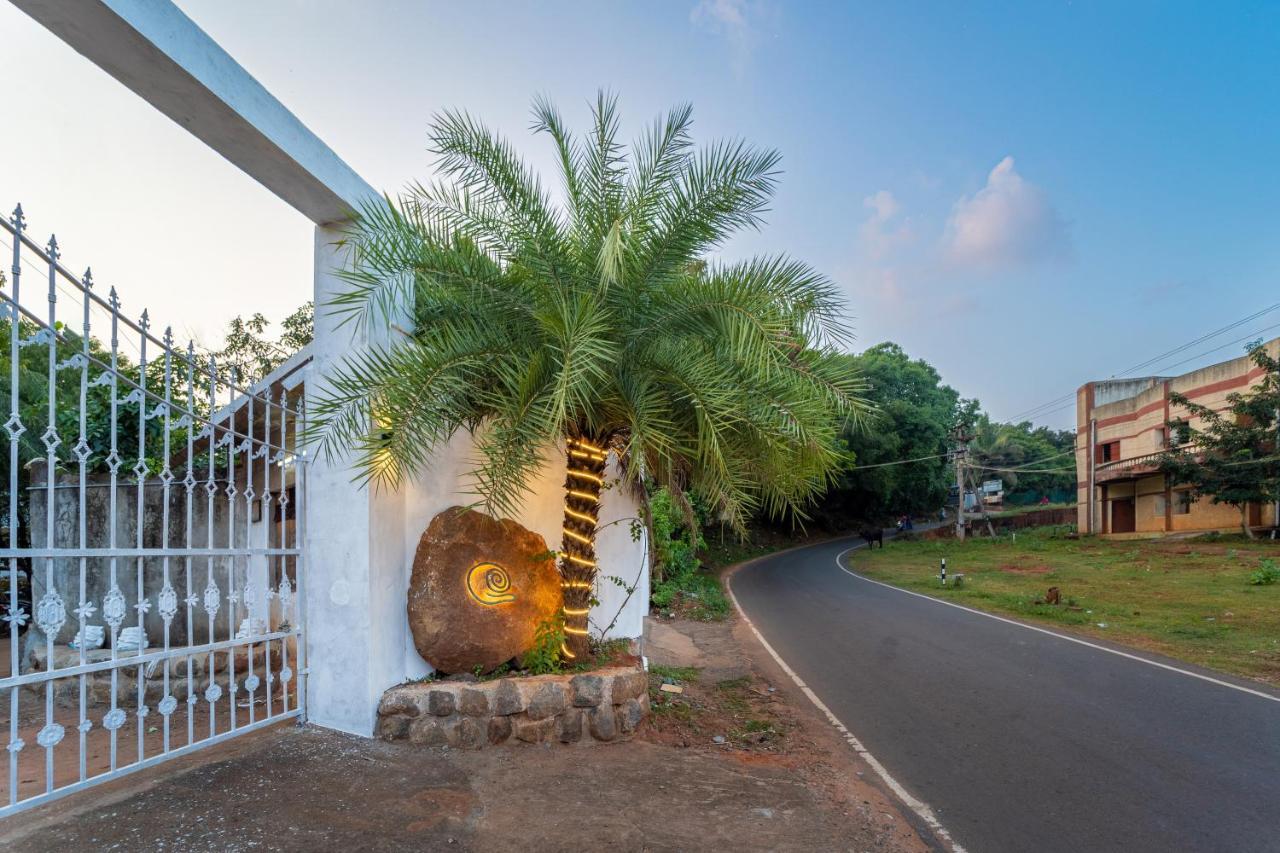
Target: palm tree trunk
{"type": "Point", "coordinates": [584, 481]}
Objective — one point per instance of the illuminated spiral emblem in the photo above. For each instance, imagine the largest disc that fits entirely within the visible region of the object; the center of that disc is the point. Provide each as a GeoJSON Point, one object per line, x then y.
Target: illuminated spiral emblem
{"type": "Point", "coordinates": [489, 584]}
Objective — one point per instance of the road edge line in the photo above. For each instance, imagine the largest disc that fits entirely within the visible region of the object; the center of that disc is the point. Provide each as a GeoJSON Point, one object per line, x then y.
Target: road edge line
{"type": "Point", "coordinates": [920, 808]}
{"type": "Point", "coordinates": [1060, 636]}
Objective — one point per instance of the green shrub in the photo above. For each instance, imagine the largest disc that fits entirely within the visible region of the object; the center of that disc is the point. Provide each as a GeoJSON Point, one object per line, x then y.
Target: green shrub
{"type": "Point", "coordinates": [1266, 573]}
{"type": "Point", "coordinates": [675, 546]}
{"type": "Point", "coordinates": [543, 658]}
{"type": "Point", "coordinates": [678, 578]}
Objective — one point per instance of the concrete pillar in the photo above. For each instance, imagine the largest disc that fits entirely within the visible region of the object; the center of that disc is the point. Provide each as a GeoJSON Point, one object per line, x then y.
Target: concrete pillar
{"type": "Point", "coordinates": [355, 545]}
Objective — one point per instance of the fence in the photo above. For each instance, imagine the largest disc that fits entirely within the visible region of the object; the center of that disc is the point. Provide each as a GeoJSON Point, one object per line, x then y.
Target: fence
{"type": "Point", "coordinates": [152, 549]}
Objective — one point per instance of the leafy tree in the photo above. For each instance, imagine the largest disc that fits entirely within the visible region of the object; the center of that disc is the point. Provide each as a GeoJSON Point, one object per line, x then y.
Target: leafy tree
{"type": "Point", "coordinates": [592, 323]}
{"type": "Point", "coordinates": [1033, 462]}
{"type": "Point", "coordinates": [1230, 456]}
{"type": "Point", "coordinates": [914, 412]}
{"type": "Point", "coordinates": [915, 415]}
{"type": "Point", "coordinates": [247, 349]}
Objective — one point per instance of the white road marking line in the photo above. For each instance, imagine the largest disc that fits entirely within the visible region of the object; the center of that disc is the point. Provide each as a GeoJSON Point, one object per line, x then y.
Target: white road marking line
{"type": "Point", "coordinates": [1067, 637]}
{"type": "Point", "coordinates": [921, 809]}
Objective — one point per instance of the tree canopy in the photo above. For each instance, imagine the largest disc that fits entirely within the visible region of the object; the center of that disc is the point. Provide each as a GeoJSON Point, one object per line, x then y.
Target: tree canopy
{"type": "Point", "coordinates": [914, 412]}
{"type": "Point", "coordinates": [899, 456]}
{"type": "Point", "coordinates": [594, 314]}
{"type": "Point", "coordinates": [247, 349]}
{"type": "Point", "coordinates": [1230, 456]}
{"type": "Point", "coordinates": [1032, 462]}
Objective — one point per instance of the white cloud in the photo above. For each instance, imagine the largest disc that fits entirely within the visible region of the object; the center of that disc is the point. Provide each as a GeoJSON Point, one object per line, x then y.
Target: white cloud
{"type": "Point", "coordinates": [729, 19]}
{"type": "Point", "coordinates": [884, 204]}
{"type": "Point", "coordinates": [882, 233]}
{"type": "Point", "coordinates": [1008, 223]}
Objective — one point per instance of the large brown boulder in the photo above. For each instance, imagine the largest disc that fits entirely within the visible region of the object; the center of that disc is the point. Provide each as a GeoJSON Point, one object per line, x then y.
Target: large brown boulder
{"type": "Point", "coordinates": [479, 589]}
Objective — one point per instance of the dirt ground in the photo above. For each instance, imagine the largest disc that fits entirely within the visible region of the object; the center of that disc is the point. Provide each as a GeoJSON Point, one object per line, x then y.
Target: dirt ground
{"type": "Point", "coordinates": [780, 780]}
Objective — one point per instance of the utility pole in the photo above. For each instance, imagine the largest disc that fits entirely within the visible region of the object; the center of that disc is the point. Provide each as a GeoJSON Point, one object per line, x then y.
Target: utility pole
{"type": "Point", "coordinates": [958, 454]}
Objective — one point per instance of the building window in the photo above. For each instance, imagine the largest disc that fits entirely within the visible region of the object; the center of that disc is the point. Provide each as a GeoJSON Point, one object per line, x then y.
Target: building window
{"type": "Point", "coordinates": [1160, 437]}
{"type": "Point", "coordinates": [1182, 502]}
{"type": "Point", "coordinates": [1109, 452]}
{"type": "Point", "coordinates": [1158, 506]}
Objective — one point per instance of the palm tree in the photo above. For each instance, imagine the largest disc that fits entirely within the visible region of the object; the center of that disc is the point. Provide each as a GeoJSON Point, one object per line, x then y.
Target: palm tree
{"type": "Point", "coordinates": [591, 323]}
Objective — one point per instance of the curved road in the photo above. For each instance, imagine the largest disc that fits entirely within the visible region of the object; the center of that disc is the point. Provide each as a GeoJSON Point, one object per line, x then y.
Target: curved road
{"type": "Point", "coordinates": [1020, 740]}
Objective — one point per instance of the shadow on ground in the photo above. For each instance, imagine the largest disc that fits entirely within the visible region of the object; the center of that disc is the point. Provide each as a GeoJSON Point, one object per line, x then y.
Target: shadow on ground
{"type": "Point", "coordinates": [291, 788]}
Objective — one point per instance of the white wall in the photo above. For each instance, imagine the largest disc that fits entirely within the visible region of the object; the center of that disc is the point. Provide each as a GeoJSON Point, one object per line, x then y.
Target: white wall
{"type": "Point", "coordinates": [445, 483]}
{"type": "Point", "coordinates": [622, 557]}
{"type": "Point", "coordinates": [359, 544]}
{"type": "Point", "coordinates": [353, 543]}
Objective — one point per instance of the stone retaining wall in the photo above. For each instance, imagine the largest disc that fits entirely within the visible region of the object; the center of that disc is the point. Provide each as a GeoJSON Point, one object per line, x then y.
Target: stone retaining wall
{"type": "Point", "coordinates": [604, 705]}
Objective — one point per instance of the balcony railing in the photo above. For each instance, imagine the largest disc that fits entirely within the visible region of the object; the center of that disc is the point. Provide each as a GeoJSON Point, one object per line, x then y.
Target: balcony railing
{"type": "Point", "coordinates": [1146, 463]}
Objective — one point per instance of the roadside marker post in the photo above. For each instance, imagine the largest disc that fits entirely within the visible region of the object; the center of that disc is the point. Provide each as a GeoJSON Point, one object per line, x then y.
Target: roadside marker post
{"type": "Point", "coordinates": [944, 571]}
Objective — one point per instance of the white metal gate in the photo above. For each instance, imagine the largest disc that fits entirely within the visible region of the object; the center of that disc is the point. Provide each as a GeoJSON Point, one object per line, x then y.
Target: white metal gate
{"type": "Point", "coordinates": [151, 553]}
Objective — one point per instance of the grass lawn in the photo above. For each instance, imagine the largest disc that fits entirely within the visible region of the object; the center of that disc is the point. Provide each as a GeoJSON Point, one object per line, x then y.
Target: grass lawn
{"type": "Point", "coordinates": [1188, 599]}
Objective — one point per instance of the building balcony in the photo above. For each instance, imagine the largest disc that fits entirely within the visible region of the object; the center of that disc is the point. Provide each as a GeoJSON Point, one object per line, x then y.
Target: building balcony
{"type": "Point", "coordinates": [1128, 469]}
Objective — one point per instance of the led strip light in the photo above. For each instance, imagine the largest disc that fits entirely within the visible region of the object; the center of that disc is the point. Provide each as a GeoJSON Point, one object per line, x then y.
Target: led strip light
{"type": "Point", "coordinates": [581, 516]}
{"type": "Point", "coordinates": [579, 449]}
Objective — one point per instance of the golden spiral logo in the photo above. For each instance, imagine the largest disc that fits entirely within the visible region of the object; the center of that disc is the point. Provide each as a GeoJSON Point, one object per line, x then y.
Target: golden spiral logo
{"type": "Point", "coordinates": [489, 584]}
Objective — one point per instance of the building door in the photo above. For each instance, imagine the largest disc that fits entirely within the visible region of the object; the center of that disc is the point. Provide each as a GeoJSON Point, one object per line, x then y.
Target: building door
{"type": "Point", "coordinates": [1122, 515]}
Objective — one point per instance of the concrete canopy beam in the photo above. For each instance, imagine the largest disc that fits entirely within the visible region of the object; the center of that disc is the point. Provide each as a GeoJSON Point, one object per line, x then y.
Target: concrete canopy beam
{"type": "Point", "coordinates": [159, 53]}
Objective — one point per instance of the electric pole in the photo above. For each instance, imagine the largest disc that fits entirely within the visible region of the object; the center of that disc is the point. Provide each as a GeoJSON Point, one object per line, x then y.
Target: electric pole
{"type": "Point", "coordinates": [958, 454]}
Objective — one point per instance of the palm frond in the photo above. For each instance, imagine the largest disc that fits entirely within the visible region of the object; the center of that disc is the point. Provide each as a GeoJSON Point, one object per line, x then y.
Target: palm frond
{"type": "Point", "coordinates": [597, 317]}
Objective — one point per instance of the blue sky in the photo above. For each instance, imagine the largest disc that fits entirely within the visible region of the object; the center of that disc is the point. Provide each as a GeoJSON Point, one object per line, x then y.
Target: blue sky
{"type": "Point", "coordinates": [1027, 195]}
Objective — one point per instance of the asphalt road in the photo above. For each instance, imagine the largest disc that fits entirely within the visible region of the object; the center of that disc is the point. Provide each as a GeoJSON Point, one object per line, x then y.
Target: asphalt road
{"type": "Point", "coordinates": [1019, 740]}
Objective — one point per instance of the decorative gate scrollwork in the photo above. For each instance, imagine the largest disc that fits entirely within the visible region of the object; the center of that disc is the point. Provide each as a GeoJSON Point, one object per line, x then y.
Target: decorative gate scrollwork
{"type": "Point", "coordinates": [151, 539]}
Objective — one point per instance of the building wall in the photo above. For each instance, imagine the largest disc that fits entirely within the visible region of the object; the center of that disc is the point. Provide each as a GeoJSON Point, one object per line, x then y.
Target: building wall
{"type": "Point", "coordinates": [1131, 415]}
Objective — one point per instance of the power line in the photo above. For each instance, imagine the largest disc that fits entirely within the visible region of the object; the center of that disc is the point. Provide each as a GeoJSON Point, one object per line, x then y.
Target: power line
{"type": "Point", "coordinates": [1024, 465]}
{"type": "Point", "coordinates": [900, 462]}
{"type": "Point", "coordinates": [1248, 337]}
{"type": "Point", "coordinates": [1053, 406]}
{"type": "Point", "coordinates": [946, 455]}
{"type": "Point", "coordinates": [1021, 469]}
{"type": "Point", "coordinates": [1203, 338]}
{"type": "Point", "coordinates": [1038, 411]}
{"type": "Point", "coordinates": [1024, 470]}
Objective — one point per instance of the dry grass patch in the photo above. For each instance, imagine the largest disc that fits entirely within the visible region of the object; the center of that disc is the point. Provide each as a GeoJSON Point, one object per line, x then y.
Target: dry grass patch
{"type": "Point", "coordinates": [745, 712]}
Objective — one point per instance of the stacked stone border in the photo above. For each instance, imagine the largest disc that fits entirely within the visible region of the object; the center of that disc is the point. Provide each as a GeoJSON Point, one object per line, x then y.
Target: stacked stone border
{"type": "Point", "coordinates": [605, 705]}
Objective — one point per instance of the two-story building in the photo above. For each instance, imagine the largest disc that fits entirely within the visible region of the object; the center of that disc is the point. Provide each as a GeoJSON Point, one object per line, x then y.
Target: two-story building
{"type": "Point", "coordinates": [1121, 431]}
